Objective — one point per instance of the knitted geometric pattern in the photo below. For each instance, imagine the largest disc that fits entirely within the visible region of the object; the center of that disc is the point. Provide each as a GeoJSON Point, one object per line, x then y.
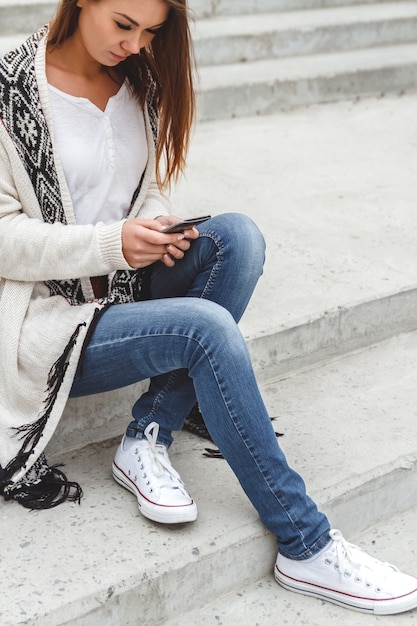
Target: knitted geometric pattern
{"type": "Point", "coordinates": [21, 113]}
{"type": "Point", "coordinates": [22, 116]}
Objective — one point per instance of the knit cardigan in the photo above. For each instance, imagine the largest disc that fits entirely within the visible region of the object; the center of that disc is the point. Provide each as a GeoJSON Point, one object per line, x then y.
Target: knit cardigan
{"type": "Point", "coordinates": [47, 302]}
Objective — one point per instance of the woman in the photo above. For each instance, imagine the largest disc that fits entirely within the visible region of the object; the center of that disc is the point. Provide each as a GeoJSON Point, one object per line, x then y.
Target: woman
{"type": "Point", "coordinates": [95, 296]}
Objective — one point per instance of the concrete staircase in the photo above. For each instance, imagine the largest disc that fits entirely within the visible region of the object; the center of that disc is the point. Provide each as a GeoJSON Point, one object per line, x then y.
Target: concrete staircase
{"type": "Point", "coordinates": [331, 330]}
{"type": "Point", "coordinates": [263, 56]}
{"type": "Point", "coordinates": [260, 63]}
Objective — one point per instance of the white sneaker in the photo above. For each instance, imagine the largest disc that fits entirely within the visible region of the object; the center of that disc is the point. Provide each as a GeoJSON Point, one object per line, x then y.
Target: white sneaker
{"type": "Point", "coordinates": [342, 573]}
{"type": "Point", "coordinates": [145, 469]}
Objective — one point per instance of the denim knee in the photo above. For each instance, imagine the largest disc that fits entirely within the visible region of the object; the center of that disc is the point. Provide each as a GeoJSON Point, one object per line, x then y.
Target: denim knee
{"type": "Point", "coordinates": [240, 235]}
{"type": "Point", "coordinates": [235, 225]}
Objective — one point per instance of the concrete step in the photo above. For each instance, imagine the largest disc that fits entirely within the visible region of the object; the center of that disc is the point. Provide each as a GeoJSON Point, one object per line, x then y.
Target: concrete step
{"type": "Point", "coordinates": [10, 42]}
{"type": "Point", "coordinates": [263, 603]}
{"type": "Point", "coordinates": [336, 53]}
{"type": "Point", "coordinates": [25, 16]}
{"type": "Point", "coordinates": [274, 353]}
{"type": "Point", "coordinates": [347, 429]}
{"type": "Point", "coordinates": [216, 8]}
{"type": "Point", "coordinates": [244, 38]}
{"type": "Point", "coordinates": [271, 85]}
{"type": "Point", "coordinates": [332, 188]}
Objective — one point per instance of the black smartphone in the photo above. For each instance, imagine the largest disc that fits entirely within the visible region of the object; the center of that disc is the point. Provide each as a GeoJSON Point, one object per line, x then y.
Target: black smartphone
{"type": "Point", "coordinates": [182, 225]}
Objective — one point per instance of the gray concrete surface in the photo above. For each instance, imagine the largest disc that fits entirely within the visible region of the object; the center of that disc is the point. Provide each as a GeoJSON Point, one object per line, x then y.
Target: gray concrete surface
{"type": "Point", "coordinates": [19, 12]}
{"type": "Point", "coordinates": [241, 38]}
{"type": "Point", "coordinates": [333, 190]}
{"type": "Point", "coordinates": [264, 603]}
{"type": "Point", "coordinates": [256, 62]}
{"type": "Point", "coordinates": [348, 429]}
{"type": "Point", "coordinates": [271, 85]}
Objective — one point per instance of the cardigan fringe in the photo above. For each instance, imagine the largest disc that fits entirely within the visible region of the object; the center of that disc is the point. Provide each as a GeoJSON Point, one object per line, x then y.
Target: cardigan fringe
{"type": "Point", "coordinates": [41, 486]}
{"type": "Point", "coordinates": [22, 115]}
{"type": "Point", "coordinates": [44, 487]}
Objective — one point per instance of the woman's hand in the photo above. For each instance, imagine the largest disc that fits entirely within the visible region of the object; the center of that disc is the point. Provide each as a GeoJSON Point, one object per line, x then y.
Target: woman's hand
{"type": "Point", "coordinates": [143, 243]}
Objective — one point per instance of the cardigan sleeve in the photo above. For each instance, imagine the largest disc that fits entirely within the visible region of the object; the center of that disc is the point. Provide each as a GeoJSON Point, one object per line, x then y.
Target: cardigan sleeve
{"type": "Point", "coordinates": [31, 250]}
{"type": "Point", "coordinates": [155, 203]}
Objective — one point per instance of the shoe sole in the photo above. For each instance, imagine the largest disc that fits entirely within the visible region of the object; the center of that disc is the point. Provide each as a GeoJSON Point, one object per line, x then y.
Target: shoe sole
{"type": "Point", "coordinates": [156, 512]}
{"type": "Point", "coordinates": [362, 605]}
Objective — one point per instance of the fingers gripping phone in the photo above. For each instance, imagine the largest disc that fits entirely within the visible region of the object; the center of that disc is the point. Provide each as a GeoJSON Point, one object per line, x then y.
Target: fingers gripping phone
{"type": "Point", "coordinates": [182, 225]}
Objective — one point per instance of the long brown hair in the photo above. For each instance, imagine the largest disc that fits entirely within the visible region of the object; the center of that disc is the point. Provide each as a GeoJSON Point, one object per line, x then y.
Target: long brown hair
{"type": "Point", "coordinates": [170, 59]}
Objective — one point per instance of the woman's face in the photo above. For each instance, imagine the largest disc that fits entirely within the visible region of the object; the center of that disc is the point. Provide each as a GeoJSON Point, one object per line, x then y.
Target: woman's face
{"type": "Point", "coordinates": [112, 30]}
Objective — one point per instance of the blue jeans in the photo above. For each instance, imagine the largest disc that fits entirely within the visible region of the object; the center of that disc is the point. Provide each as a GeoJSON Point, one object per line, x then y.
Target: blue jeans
{"type": "Point", "coordinates": [186, 340]}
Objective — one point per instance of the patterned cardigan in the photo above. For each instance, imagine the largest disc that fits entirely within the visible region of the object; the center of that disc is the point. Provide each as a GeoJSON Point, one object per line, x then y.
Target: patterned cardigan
{"type": "Point", "coordinates": [45, 312]}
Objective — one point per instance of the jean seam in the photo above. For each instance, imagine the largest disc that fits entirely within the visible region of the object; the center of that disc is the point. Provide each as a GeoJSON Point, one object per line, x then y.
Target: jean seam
{"type": "Point", "coordinates": [317, 546]}
{"type": "Point", "coordinates": [204, 294]}
{"type": "Point", "coordinates": [285, 507]}
{"type": "Point", "coordinates": [143, 422]}
{"type": "Point", "coordinates": [216, 267]}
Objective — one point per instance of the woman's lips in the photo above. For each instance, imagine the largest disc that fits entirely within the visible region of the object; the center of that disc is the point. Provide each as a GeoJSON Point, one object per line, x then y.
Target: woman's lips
{"type": "Point", "coordinates": [118, 57]}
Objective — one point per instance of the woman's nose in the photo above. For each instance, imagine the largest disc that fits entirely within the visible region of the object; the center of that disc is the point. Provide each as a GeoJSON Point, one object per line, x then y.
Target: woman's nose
{"type": "Point", "coordinates": [133, 44]}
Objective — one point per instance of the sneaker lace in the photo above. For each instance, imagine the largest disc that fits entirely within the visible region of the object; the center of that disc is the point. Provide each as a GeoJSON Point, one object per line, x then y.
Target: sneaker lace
{"type": "Point", "coordinates": [160, 464]}
{"type": "Point", "coordinates": [350, 560]}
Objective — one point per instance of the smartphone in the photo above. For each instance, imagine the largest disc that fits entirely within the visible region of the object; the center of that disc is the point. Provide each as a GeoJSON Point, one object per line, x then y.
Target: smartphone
{"type": "Point", "coordinates": [182, 225]}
